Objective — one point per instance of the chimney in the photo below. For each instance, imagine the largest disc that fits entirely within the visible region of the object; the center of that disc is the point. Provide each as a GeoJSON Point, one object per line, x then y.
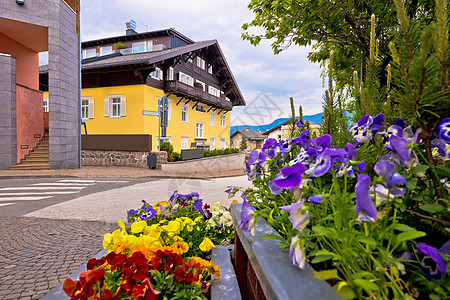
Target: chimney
{"type": "Point", "coordinates": [130, 28]}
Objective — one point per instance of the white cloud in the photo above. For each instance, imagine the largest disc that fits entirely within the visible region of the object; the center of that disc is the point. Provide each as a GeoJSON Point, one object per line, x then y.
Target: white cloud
{"type": "Point", "coordinates": [256, 69]}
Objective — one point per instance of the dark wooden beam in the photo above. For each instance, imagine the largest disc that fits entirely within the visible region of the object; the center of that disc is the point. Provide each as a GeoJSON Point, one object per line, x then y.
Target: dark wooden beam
{"type": "Point", "coordinates": [195, 105]}
{"type": "Point", "coordinates": [219, 112]}
{"type": "Point", "coordinates": [188, 101]}
{"type": "Point", "coordinates": [225, 83]}
{"type": "Point", "coordinates": [210, 109]}
{"type": "Point", "coordinates": [180, 100]}
{"type": "Point", "coordinates": [216, 72]}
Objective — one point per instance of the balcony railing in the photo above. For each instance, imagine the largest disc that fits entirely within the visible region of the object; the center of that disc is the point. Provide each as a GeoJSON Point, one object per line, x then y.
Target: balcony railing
{"type": "Point", "coordinates": [180, 88]}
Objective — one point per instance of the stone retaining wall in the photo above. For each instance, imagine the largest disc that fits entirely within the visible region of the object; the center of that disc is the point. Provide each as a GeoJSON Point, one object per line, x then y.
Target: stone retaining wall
{"type": "Point", "coordinates": [121, 158]}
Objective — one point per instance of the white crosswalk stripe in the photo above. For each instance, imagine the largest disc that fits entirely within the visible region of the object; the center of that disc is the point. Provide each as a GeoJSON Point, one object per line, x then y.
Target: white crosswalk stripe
{"type": "Point", "coordinates": [46, 190]}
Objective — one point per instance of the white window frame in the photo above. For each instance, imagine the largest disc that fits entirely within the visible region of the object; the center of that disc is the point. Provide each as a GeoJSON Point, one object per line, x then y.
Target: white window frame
{"type": "Point", "coordinates": [213, 91]}
{"type": "Point", "coordinates": [212, 143]}
{"type": "Point", "coordinates": [134, 50]}
{"type": "Point", "coordinates": [149, 46]}
{"type": "Point", "coordinates": [200, 63]}
{"type": "Point", "coordinates": [163, 139]}
{"type": "Point", "coordinates": [185, 109]}
{"type": "Point", "coordinates": [109, 106]}
{"type": "Point", "coordinates": [157, 74]}
{"type": "Point", "coordinates": [45, 104]}
{"type": "Point", "coordinates": [202, 83]}
{"type": "Point", "coordinates": [109, 52]}
{"type": "Point", "coordinates": [210, 69]}
{"type": "Point", "coordinates": [184, 142]}
{"type": "Point", "coordinates": [201, 108]}
{"type": "Point", "coordinates": [200, 130]}
{"type": "Point", "coordinates": [186, 79]}
{"type": "Point", "coordinates": [213, 118]}
{"type": "Point", "coordinates": [223, 143]}
{"type": "Point", "coordinates": [86, 51]}
{"type": "Point", "coordinates": [89, 108]}
{"type": "Point", "coordinates": [223, 120]}
{"type": "Point", "coordinates": [170, 74]}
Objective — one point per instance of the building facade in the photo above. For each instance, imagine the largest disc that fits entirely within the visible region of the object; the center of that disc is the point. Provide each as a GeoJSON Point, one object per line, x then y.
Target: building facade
{"type": "Point", "coordinates": [26, 29]}
{"type": "Point", "coordinates": [125, 80]}
{"type": "Point", "coordinates": [255, 140]}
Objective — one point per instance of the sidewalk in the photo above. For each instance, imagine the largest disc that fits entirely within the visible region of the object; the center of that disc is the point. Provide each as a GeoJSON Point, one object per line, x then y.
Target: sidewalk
{"type": "Point", "coordinates": [113, 172]}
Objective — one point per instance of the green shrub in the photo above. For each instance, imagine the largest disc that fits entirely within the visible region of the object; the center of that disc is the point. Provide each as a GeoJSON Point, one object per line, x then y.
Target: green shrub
{"type": "Point", "coordinates": [216, 152]}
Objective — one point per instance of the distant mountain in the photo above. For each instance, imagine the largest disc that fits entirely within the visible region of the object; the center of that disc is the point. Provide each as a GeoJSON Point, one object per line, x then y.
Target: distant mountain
{"type": "Point", "coordinates": [317, 118]}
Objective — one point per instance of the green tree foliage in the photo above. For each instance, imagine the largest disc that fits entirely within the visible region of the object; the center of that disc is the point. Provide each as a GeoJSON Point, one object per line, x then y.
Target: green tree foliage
{"type": "Point", "coordinates": [339, 26]}
{"type": "Point", "coordinates": [243, 143]}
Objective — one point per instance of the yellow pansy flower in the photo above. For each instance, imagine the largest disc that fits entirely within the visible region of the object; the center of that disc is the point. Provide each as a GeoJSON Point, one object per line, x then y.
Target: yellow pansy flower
{"type": "Point", "coordinates": [138, 227]}
{"type": "Point", "coordinates": [206, 245]}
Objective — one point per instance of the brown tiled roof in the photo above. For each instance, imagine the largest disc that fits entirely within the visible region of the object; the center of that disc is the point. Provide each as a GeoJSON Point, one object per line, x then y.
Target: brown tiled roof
{"type": "Point", "coordinates": [251, 135]}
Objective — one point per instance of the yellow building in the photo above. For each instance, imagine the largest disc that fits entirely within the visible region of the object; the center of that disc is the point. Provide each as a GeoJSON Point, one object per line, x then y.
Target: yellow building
{"type": "Point", "coordinates": [124, 79]}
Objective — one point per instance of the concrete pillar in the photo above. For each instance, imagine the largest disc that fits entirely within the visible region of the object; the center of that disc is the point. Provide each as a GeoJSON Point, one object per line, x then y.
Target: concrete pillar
{"type": "Point", "coordinates": [8, 127]}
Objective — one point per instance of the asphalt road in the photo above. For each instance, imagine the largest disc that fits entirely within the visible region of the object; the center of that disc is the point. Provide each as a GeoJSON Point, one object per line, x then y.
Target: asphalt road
{"type": "Point", "coordinates": [19, 197]}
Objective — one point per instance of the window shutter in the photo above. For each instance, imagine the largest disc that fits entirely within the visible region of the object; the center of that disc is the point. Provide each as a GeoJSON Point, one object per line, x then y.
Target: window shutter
{"type": "Point", "coordinates": [160, 75]}
{"type": "Point", "coordinates": [91, 108]}
{"type": "Point", "coordinates": [107, 107]}
{"type": "Point", "coordinates": [123, 106]}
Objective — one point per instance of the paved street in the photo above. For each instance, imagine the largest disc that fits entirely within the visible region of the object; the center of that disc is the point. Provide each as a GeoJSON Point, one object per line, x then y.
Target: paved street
{"type": "Point", "coordinates": [51, 226]}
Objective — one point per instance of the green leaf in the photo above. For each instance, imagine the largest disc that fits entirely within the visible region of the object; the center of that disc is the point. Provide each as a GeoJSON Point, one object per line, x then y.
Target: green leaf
{"type": "Point", "coordinates": [320, 230]}
{"type": "Point", "coordinates": [409, 235]}
{"type": "Point", "coordinates": [442, 170]}
{"type": "Point", "coordinates": [326, 252]}
{"type": "Point", "coordinates": [403, 227]}
{"type": "Point", "coordinates": [412, 183]}
{"type": "Point", "coordinates": [367, 285]}
{"type": "Point", "coordinates": [321, 258]}
{"type": "Point", "coordinates": [420, 169]}
{"type": "Point", "coordinates": [344, 291]}
{"type": "Point", "coordinates": [327, 274]}
{"type": "Point", "coordinates": [272, 236]}
{"type": "Point", "coordinates": [432, 208]}
{"type": "Point", "coordinates": [367, 240]}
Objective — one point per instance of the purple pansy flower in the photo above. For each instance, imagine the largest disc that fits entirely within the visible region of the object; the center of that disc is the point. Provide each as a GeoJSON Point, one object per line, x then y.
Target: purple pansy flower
{"type": "Point", "coordinates": [298, 219]}
{"type": "Point", "coordinates": [300, 123]}
{"type": "Point", "coordinates": [269, 144]}
{"type": "Point", "coordinates": [364, 205]}
{"type": "Point", "coordinates": [144, 204]}
{"type": "Point", "coordinates": [303, 140]}
{"type": "Point", "coordinates": [172, 199]}
{"type": "Point", "coordinates": [149, 213]}
{"type": "Point", "coordinates": [401, 152]}
{"type": "Point", "coordinates": [132, 212]}
{"type": "Point", "coordinates": [400, 122]}
{"type": "Point", "coordinates": [325, 161]}
{"type": "Point", "coordinates": [443, 130]}
{"type": "Point", "coordinates": [248, 222]}
{"type": "Point", "coordinates": [289, 177]}
{"type": "Point", "coordinates": [433, 264]}
{"type": "Point", "coordinates": [297, 253]}
{"type": "Point", "coordinates": [365, 128]}
{"type": "Point", "coordinates": [316, 199]}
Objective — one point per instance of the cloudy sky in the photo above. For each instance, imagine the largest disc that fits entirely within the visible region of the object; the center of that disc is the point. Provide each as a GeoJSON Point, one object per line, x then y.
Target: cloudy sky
{"type": "Point", "coordinates": [266, 80]}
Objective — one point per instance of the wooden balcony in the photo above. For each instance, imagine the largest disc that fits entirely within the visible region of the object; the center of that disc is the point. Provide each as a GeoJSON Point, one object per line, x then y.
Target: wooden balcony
{"type": "Point", "coordinates": [183, 90]}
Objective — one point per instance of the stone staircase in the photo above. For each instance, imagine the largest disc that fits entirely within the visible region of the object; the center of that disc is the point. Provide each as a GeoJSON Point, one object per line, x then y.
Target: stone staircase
{"type": "Point", "coordinates": [37, 159]}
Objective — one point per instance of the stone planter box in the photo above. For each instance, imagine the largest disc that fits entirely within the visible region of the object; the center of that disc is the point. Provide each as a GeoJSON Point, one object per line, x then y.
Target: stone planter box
{"type": "Point", "coordinates": [226, 287]}
{"type": "Point", "coordinates": [264, 270]}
